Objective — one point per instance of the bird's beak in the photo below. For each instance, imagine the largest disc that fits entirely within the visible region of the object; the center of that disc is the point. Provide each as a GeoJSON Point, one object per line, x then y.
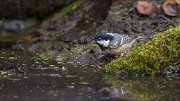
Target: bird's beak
{"type": "Point", "coordinates": [92, 41]}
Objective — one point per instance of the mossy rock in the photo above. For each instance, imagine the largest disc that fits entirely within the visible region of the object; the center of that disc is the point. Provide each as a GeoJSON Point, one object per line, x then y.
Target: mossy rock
{"type": "Point", "coordinates": [152, 58]}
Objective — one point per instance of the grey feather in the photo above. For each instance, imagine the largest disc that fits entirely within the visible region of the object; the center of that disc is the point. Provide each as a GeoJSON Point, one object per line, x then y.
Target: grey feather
{"type": "Point", "coordinates": [119, 39]}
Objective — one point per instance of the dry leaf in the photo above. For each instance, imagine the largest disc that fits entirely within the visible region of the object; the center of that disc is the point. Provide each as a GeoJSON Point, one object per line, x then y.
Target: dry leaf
{"type": "Point", "coordinates": [145, 8]}
{"type": "Point", "coordinates": [172, 7]}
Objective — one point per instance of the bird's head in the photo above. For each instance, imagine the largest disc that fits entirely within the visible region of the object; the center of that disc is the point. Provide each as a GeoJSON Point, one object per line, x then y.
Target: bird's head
{"type": "Point", "coordinates": [103, 40]}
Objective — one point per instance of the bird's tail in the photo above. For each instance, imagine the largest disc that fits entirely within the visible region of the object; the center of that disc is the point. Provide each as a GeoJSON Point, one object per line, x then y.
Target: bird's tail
{"type": "Point", "coordinates": [92, 41]}
{"type": "Point", "coordinates": [138, 38]}
{"type": "Point", "coordinates": [142, 37]}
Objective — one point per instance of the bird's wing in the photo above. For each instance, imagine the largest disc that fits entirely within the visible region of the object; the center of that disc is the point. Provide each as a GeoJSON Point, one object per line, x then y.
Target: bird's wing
{"type": "Point", "coordinates": [116, 41]}
{"type": "Point", "coordinates": [114, 44]}
{"type": "Point", "coordinates": [126, 39]}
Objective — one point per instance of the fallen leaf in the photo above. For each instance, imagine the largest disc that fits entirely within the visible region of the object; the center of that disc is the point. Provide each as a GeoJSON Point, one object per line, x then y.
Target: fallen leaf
{"type": "Point", "coordinates": [145, 8]}
{"type": "Point", "coordinates": [172, 7]}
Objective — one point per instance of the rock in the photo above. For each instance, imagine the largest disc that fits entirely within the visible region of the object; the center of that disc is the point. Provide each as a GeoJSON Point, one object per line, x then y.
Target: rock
{"type": "Point", "coordinates": [173, 72]}
{"type": "Point", "coordinates": [15, 26]}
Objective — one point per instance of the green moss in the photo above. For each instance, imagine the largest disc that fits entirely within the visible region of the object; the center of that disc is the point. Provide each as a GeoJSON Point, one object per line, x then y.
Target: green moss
{"type": "Point", "coordinates": [163, 51]}
{"type": "Point", "coordinates": [4, 74]}
{"type": "Point", "coordinates": [68, 9]}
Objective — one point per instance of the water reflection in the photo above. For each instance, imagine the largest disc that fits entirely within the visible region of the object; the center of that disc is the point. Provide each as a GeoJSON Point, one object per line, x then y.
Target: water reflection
{"type": "Point", "coordinates": [148, 89]}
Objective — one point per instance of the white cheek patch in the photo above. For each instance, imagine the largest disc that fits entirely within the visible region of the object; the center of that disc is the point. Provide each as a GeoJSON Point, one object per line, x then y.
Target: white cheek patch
{"type": "Point", "coordinates": [104, 43]}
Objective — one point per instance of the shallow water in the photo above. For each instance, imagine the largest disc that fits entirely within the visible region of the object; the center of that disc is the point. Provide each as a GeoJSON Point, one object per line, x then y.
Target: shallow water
{"type": "Point", "coordinates": [38, 81]}
{"type": "Point", "coordinates": [50, 85]}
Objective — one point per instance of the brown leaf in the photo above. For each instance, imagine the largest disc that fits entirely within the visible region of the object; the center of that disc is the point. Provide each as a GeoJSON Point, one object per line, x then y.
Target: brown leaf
{"type": "Point", "coordinates": [145, 8]}
{"type": "Point", "coordinates": [172, 7]}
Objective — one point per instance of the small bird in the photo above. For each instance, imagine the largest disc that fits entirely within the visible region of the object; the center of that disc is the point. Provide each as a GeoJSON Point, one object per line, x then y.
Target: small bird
{"type": "Point", "coordinates": [115, 43]}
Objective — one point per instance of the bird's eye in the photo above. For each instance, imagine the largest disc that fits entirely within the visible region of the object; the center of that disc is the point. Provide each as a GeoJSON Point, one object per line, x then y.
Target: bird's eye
{"type": "Point", "coordinates": [99, 38]}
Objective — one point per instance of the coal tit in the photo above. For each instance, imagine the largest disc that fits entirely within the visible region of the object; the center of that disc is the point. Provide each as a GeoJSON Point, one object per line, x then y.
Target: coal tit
{"type": "Point", "coordinates": [115, 43]}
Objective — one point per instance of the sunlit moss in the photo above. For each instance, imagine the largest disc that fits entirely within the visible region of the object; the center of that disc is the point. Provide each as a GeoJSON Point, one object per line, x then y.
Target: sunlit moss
{"type": "Point", "coordinates": [4, 74]}
{"type": "Point", "coordinates": [13, 58]}
{"type": "Point", "coordinates": [163, 51]}
{"type": "Point", "coordinates": [84, 82]}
